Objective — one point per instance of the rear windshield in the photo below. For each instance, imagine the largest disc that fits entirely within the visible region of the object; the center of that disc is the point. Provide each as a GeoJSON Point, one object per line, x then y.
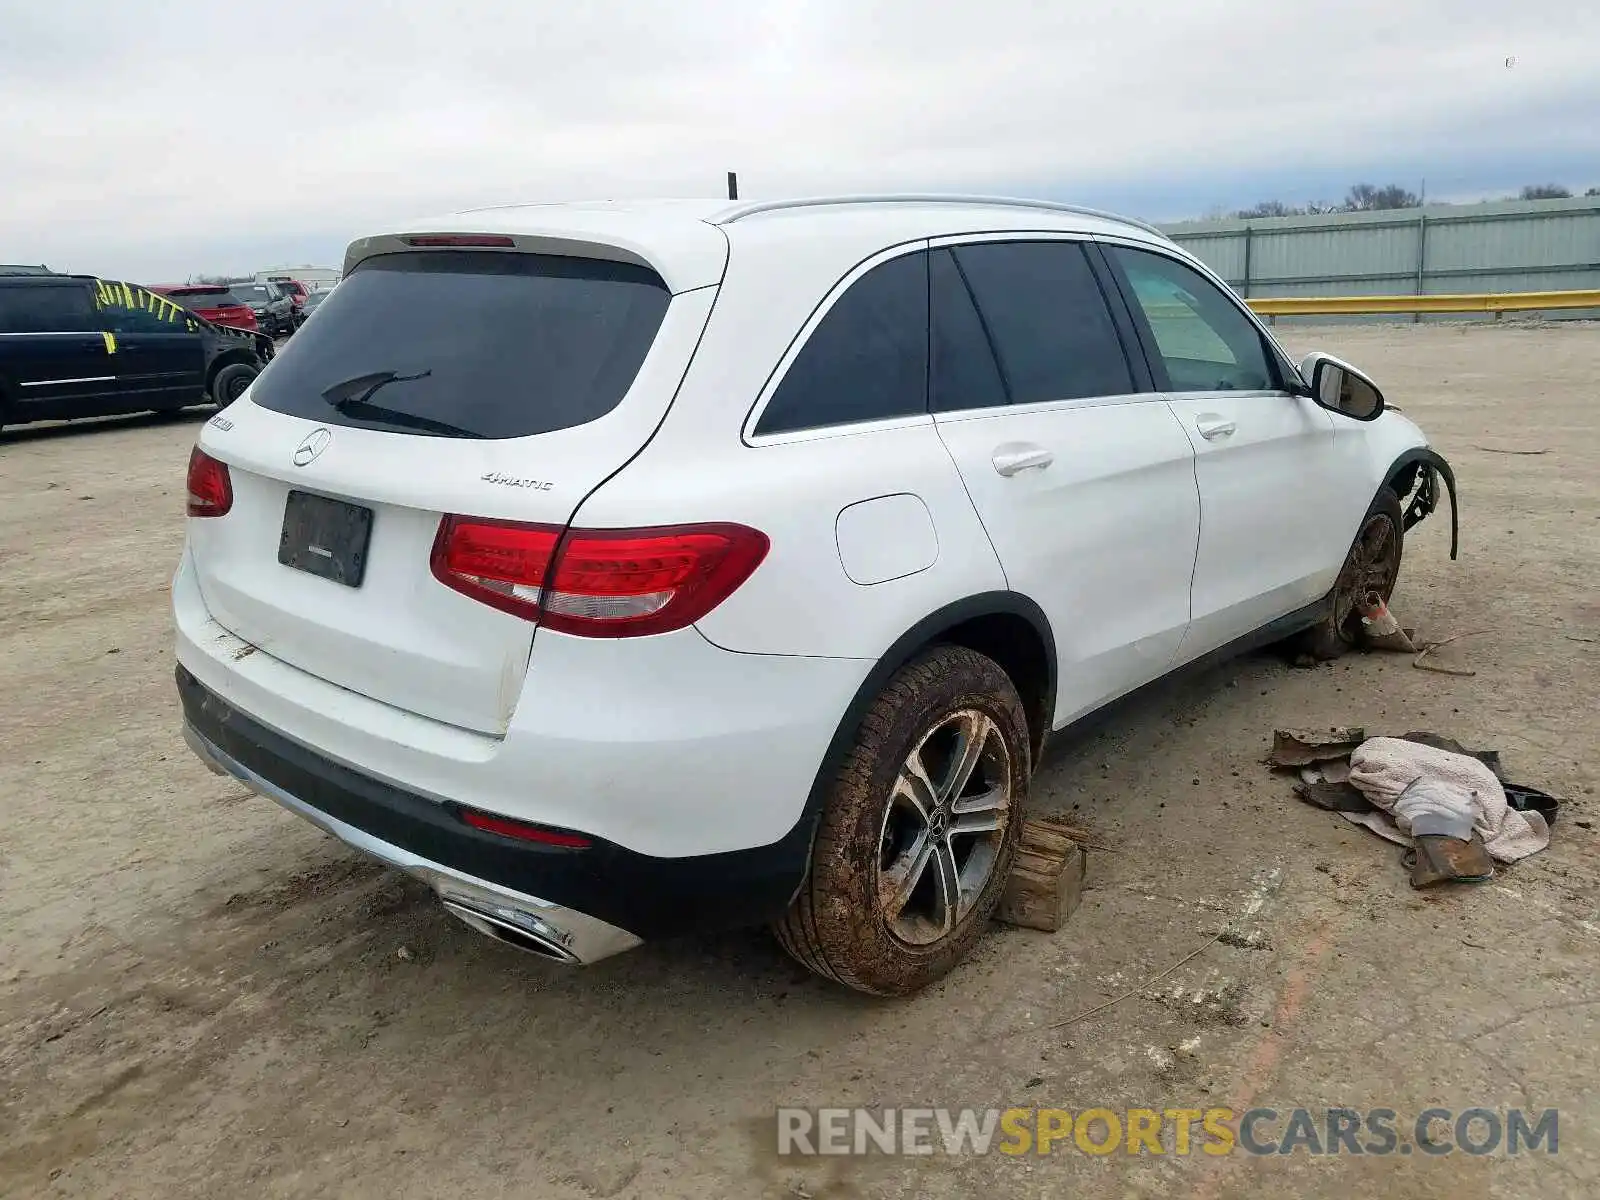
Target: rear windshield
{"type": "Point", "coordinates": [252, 291]}
{"type": "Point", "coordinates": [477, 344]}
{"type": "Point", "coordinates": [216, 298]}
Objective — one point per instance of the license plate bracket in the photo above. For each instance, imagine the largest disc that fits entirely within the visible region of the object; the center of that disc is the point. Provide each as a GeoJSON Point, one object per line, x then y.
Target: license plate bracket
{"type": "Point", "coordinates": [325, 537]}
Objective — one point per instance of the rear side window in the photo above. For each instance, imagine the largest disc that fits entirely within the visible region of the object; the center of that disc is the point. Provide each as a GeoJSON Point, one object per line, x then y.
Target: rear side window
{"type": "Point", "coordinates": [867, 360]}
{"type": "Point", "coordinates": [53, 308]}
{"type": "Point", "coordinates": [1048, 320]}
{"type": "Point", "coordinates": [464, 343]}
{"type": "Point", "coordinates": [125, 308]}
{"type": "Point", "coordinates": [963, 372]}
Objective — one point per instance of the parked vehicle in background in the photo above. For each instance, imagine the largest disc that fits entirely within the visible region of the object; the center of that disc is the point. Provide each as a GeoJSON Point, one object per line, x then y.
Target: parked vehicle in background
{"type": "Point", "coordinates": [316, 279]}
{"type": "Point", "coordinates": [213, 302]}
{"type": "Point", "coordinates": [314, 301]}
{"type": "Point", "coordinates": [627, 570]}
{"type": "Point", "coordinates": [78, 346]}
{"type": "Point", "coordinates": [296, 291]}
{"type": "Point", "coordinates": [275, 312]}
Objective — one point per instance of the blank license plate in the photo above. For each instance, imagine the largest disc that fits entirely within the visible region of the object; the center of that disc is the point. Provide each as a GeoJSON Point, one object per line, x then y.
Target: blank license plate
{"type": "Point", "coordinates": [325, 537]}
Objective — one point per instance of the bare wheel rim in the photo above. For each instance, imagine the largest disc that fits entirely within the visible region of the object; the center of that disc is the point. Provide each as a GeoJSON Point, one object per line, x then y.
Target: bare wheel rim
{"type": "Point", "coordinates": [1373, 566]}
{"type": "Point", "coordinates": [943, 827]}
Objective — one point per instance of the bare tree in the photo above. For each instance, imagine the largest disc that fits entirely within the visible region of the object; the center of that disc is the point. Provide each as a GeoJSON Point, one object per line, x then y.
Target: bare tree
{"type": "Point", "coordinates": [1544, 191]}
{"type": "Point", "coordinates": [1269, 208]}
{"type": "Point", "coordinates": [1365, 197]}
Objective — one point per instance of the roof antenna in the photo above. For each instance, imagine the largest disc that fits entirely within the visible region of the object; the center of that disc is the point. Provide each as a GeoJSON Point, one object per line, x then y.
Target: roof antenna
{"type": "Point", "coordinates": [733, 185]}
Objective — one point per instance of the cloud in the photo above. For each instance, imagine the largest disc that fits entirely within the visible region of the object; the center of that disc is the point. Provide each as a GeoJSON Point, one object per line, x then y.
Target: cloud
{"type": "Point", "coordinates": [161, 140]}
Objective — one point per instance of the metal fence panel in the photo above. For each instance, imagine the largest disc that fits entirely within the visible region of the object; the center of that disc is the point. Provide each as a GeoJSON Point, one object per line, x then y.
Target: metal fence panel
{"type": "Point", "coordinates": [1509, 246]}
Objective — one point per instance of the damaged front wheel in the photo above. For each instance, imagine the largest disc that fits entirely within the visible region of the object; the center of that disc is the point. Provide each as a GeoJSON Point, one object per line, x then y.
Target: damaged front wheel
{"type": "Point", "coordinates": [1373, 565]}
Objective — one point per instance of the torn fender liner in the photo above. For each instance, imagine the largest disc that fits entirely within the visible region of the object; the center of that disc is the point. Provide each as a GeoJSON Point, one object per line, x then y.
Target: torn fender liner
{"type": "Point", "coordinates": [1426, 496]}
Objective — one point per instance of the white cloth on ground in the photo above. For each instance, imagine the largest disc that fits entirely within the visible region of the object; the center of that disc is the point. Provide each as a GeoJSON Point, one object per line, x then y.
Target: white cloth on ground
{"type": "Point", "coordinates": [1432, 790]}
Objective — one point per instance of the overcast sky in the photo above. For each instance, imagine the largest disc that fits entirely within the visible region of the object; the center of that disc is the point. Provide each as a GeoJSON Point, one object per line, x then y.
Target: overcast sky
{"type": "Point", "coordinates": [152, 141]}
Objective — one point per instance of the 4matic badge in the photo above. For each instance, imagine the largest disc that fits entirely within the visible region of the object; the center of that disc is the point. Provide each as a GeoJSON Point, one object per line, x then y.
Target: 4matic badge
{"type": "Point", "coordinates": [538, 485]}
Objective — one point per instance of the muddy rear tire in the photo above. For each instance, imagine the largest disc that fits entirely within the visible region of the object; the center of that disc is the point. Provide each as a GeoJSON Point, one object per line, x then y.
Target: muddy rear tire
{"type": "Point", "coordinates": [1372, 565]}
{"type": "Point", "coordinates": [919, 829]}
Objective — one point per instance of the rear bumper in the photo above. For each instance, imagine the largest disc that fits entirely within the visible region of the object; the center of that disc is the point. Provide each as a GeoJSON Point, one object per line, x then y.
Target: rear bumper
{"type": "Point", "coordinates": [503, 913]}
{"type": "Point", "coordinates": [589, 903]}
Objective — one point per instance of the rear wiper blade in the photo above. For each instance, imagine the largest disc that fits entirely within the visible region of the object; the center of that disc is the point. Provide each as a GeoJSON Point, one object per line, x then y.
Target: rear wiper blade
{"type": "Point", "coordinates": [397, 416]}
{"type": "Point", "coordinates": [359, 388]}
{"type": "Point", "coordinates": [356, 392]}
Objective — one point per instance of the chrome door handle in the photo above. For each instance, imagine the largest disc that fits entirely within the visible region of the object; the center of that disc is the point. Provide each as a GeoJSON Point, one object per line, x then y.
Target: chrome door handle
{"type": "Point", "coordinates": [1020, 456]}
{"type": "Point", "coordinates": [1214, 427]}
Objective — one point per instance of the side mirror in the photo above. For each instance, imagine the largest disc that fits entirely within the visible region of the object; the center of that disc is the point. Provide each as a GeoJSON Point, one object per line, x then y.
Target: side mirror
{"type": "Point", "coordinates": [1340, 388]}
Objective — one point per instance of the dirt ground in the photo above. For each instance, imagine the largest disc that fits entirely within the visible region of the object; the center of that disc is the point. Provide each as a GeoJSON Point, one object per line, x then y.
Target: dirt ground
{"type": "Point", "coordinates": [202, 996]}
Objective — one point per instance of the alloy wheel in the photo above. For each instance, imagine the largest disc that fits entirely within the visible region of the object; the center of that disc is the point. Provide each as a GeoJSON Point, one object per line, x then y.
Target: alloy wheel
{"type": "Point", "coordinates": [943, 826]}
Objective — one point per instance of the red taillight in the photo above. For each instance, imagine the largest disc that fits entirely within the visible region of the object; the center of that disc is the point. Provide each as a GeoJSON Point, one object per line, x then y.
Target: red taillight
{"type": "Point", "coordinates": [461, 239]}
{"type": "Point", "coordinates": [210, 489]}
{"type": "Point", "coordinates": [597, 582]}
{"type": "Point", "coordinates": [522, 830]}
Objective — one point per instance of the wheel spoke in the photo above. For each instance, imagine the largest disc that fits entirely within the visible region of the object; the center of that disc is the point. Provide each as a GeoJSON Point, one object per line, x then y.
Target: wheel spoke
{"type": "Point", "coordinates": [914, 787]}
{"type": "Point", "coordinates": [971, 738]}
{"type": "Point", "coordinates": [988, 821]}
{"type": "Point", "coordinates": [896, 884]}
{"type": "Point", "coordinates": [947, 905]}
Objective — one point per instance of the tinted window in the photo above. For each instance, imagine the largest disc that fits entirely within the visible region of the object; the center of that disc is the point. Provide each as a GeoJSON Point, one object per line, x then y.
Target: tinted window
{"type": "Point", "coordinates": [254, 293]}
{"type": "Point", "coordinates": [503, 345]}
{"type": "Point", "coordinates": [214, 298]}
{"type": "Point", "coordinates": [866, 360]}
{"type": "Point", "coordinates": [1048, 320]}
{"type": "Point", "coordinates": [128, 309]}
{"type": "Point", "coordinates": [962, 373]}
{"type": "Point", "coordinates": [61, 308]}
{"type": "Point", "coordinates": [1206, 343]}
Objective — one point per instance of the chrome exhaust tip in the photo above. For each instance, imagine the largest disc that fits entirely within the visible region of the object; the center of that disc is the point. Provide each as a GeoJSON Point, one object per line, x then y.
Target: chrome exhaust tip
{"type": "Point", "coordinates": [523, 931]}
{"type": "Point", "coordinates": [527, 922]}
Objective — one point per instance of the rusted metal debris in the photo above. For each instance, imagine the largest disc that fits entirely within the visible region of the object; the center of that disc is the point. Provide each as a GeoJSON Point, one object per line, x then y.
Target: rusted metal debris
{"type": "Point", "coordinates": [1302, 747]}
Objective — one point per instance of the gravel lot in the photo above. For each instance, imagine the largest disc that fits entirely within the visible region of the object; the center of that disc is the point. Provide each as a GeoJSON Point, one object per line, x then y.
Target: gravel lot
{"type": "Point", "coordinates": [202, 996]}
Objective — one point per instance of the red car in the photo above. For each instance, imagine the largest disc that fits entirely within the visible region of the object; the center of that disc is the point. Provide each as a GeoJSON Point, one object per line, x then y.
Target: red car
{"type": "Point", "coordinates": [214, 302]}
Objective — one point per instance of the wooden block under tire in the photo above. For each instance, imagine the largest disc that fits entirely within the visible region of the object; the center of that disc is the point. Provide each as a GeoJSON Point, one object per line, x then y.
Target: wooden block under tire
{"type": "Point", "coordinates": [1046, 880]}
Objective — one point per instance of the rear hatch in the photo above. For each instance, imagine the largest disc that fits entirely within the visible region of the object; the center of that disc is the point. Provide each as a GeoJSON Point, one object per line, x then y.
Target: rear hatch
{"type": "Point", "coordinates": [495, 383]}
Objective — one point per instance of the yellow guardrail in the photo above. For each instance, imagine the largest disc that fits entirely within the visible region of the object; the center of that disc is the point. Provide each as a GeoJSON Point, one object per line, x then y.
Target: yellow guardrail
{"type": "Point", "coordinates": [1458, 302]}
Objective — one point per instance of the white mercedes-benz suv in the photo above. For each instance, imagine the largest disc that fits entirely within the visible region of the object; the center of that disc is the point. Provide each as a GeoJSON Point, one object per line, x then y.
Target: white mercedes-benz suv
{"type": "Point", "coordinates": [629, 569]}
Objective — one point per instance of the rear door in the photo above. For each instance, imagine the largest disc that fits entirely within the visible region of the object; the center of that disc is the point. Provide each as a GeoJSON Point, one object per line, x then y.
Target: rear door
{"type": "Point", "coordinates": [1273, 482]}
{"type": "Point", "coordinates": [159, 359]}
{"type": "Point", "coordinates": [1081, 475]}
{"type": "Point", "coordinates": [493, 384]}
{"type": "Point", "coordinates": [53, 360]}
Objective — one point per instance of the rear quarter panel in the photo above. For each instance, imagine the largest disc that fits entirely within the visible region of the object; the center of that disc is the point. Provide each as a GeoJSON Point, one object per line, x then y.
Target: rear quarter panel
{"type": "Point", "coordinates": [801, 600]}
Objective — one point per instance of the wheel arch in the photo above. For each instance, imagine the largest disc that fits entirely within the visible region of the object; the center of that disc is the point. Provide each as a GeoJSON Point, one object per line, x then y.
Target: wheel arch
{"type": "Point", "coordinates": [227, 359]}
{"type": "Point", "coordinates": [1416, 471]}
{"type": "Point", "coordinates": [1007, 626]}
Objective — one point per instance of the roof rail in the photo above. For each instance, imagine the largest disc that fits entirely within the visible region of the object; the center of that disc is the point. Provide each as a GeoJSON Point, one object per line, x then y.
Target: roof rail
{"type": "Point", "coordinates": [736, 212]}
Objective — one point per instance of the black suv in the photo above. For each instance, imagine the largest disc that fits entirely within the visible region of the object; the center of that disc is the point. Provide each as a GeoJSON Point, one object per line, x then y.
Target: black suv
{"type": "Point", "coordinates": [77, 346]}
{"type": "Point", "coordinates": [273, 306]}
